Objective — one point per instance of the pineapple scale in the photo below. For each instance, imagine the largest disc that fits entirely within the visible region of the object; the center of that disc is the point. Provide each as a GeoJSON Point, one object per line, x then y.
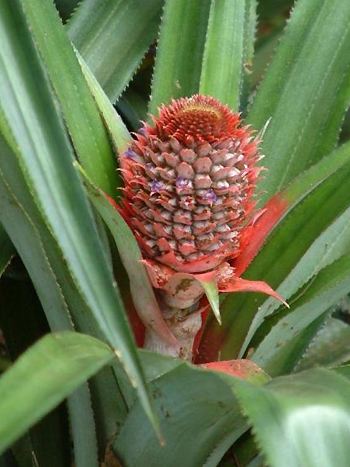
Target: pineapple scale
{"type": "Point", "coordinates": [191, 201]}
{"type": "Point", "coordinates": [189, 182]}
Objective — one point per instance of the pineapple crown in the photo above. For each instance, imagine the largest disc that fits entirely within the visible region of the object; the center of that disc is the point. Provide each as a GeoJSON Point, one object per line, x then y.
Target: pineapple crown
{"type": "Point", "coordinates": [189, 180]}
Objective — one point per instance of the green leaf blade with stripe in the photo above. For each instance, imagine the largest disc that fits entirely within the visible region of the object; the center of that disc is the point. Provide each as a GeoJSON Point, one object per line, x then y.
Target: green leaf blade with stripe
{"type": "Point", "coordinates": [82, 118]}
{"type": "Point", "coordinates": [325, 290]}
{"type": "Point", "coordinates": [33, 128]}
{"type": "Point", "coordinates": [180, 51]}
{"type": "Point", "coordinates": [113, 36]}
{"type": "Point", "coordinates": [222, 68]}
{"type": "Point", "coordinates": [306, 92]}
{"type": "Point", "coordinates": [43, 376]}
{"type": "Point", "coordinates": [307, 415]}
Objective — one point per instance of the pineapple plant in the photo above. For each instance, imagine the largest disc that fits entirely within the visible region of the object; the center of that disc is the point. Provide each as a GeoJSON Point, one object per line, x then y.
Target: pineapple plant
{"type": "Point", "coordinates": [174, 231]}
{"type": "Point", "coordinates": [188, 197]}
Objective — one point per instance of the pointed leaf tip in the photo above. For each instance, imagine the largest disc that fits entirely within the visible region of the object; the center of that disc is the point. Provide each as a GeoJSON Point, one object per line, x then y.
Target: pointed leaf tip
{"type": "Point", "coordinates": [243, 368]}
{"type": "Point", "coordinates": [243, 285]}
{"type": "Point", "coordinates": [209, 284]}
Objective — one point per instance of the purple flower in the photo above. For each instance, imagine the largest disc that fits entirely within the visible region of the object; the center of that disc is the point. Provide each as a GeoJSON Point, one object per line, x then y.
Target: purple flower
{"type": "Point", "coordinates": [130, 154]}
{"type": "Point", "coordinates": [156, 186]}
{"type": "Point", "coordinates": [210, 196]}
{"type": "Point", "coordinates": [182, 182]}
{"type": "Point", "coordinates": [142, 131]}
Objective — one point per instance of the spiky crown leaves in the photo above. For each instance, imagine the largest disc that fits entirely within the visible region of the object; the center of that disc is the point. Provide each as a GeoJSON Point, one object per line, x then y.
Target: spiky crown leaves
{"type": "Point", "coordinates": [189, 180]}
{"type": "Point", "coordinates": [196, 119]}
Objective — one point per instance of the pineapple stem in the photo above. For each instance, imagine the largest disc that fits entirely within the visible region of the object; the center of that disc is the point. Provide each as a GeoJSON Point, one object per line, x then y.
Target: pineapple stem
{"type": "Point", "coordinates": [184, 324]}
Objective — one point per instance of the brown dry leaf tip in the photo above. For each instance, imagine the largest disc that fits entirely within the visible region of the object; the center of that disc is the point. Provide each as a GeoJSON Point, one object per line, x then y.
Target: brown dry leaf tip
{"type": "Point", "coordinates": [189, 181]}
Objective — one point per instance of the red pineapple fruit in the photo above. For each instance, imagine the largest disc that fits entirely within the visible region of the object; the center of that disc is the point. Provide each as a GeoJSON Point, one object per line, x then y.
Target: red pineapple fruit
{"type": "Point", "coordinates": [189, 181]}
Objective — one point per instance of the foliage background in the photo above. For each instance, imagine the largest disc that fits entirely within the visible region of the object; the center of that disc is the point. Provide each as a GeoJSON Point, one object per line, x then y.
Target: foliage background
{"type": "Point", "coordinates": [67, 279]}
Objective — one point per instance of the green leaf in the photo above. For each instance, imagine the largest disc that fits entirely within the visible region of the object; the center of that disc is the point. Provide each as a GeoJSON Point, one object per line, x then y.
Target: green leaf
{"type": "Point", "coordinates": [194, 401]}
{"type": "Point", "coordinates": [156, 365]}
{"type": "Point", "coordinates": [317, 173]}
{"type": "Point", "coordinates": [6, 250]}
{"type": "Point", "coordinates": [307, 416]}
{"type": "Point", "coordinates": [133, 107]}
{"type": "Point", "coordinates": [43, 376]}
{"type": "Point", "coordinates": [141, 289]}
{"type": "Point", "coordinates": [258, 461]}
{"type": "Point", "coordinates": [47, 440]}
{"type": "Point", "coordinates": [343, 370]}
{"type": "Point", "coordinates": [264, 51]}
{"type": "Point", "coordinates": [330, 347]}
{"type": "Point", "coordinates": [113, 36]}
{"type": "Point", "coordinates": [180, 51]}
{"type": "Point", "coordinates": [61, 300]}
{"type": "Point", "coordinates": [326, 289]}
{"type": "Point", "coordinates": [212, 293]}
{"type": "Point", "coordinates": [288, 242]}
{"type": "Point", "coordinates": [306, 103]}
{"type": "Point", "coordinates": [22, 228]}
{"type": "Point", "coordinates": [84, 124]}
{"type": "Point", "coordinates": [249, 34]}
{"type": "Point", "coordinates": [82, 423]}
{"type": "Point", "coordinates": [83, 427]}
{"type": "Point", "coordinates": [189, 400]}
{"type": "Point", "coordinates": [222, 69]}
{"type": "Point", "coordinates": [250, 25]}
{"type": "Point", "coordinates": [119, 134]}
{"type": "Point", "coordinates": [290, 353]}
{"type": "Point", "coordinates": [33, 129]}
{"type": "Point", "coordinates": [329, 246]}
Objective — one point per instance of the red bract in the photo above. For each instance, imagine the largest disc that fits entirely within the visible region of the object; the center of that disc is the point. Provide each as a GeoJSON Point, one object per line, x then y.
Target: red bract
{"type": "Point", "coordinates": [244, 369]}
{"type": "Point", "coordinates": [189, 181]}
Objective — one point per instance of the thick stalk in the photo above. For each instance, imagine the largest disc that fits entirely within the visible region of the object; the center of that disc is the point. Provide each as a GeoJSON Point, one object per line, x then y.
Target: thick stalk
{"type": "Point", "coordinates": [184, 328]}
{"type": "Point", "coordinates": [183, 321]}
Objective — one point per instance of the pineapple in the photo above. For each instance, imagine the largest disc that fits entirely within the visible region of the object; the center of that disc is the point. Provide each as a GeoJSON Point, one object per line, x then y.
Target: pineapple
{"type": "Point", "coordinates": [189, 181]}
